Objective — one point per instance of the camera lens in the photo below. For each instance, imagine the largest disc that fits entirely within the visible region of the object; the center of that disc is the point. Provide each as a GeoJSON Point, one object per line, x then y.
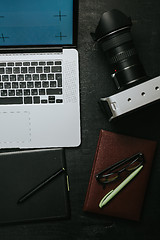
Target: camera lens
{"type": "Point", "coordinates": [113, 35]}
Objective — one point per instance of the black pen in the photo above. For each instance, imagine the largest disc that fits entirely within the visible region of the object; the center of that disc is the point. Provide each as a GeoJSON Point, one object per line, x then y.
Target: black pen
{"type": "Point", "coordinates": [39, 186]}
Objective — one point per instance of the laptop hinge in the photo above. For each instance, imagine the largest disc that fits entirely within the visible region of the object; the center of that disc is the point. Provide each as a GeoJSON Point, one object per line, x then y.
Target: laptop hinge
{"type": "Point", "coordinates": [31, 50]}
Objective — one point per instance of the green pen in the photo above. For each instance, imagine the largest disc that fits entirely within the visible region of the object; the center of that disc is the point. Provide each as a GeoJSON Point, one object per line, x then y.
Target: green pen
{"type": "Point", "coordinates": [114, 192]}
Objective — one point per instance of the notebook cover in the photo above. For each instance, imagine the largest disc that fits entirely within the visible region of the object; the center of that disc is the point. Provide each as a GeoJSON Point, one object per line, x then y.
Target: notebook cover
{"type": "Point", "coordinates": [20, 172]}
{"type": "Point", "coordinates": [113, 147]}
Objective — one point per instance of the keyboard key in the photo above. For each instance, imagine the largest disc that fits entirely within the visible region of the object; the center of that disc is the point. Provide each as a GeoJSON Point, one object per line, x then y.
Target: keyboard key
{"type": "Point", "coordinates": [10, 64]}
{"type": "Point", "coordinates": [39, 70]}
{"type": "Point", "coordinates": [8, 70]}
{"type": "Point", "coordinates": [58, 63]}
{"type": "Point", "coordinates": [43, 77]}
{"type": "Point", "coordinates": [11, 92]}
{"type": "Point", "coordinates": [36, 99]}
{"type": "Point", "coordinates": [2, 64]}
{"type": "Point", "coordinates": [30, 85]}
{"type": "Point", "coordinates": [3, 93]}
{"type": "Point", "coordinates": [37, 84]}
{"type": "Point", "coordinates": [59, 83]}
{"type": "Point", "coordinates": [51, 99]}
{"type": "Point", "coordinates": [27, 92]}
{"type": "Point", "coordinates": [14, 84]}
{"type": "Point", "coordinates": [50, 63]}
{"type": "Point", "coordinates": [26, 64]}
{"type": "Point", "coordinates": [22, 84]}
{"type": "Point", "coordinates": [50, 76]}
{"type": "Point", "coordinates": [16, 70]}
{"type": "Point", "coordinates": [35, 77]}
{"type": "Point", "coordinates": [56, 69]}
{"type": "Point", "coordinates": [11, 100]}
{"type": "Point", "coordinates": [18, 92]}
{"type": "Point", "coordinates": [31, 69]}
{"type": "Point", "coordinates": [45, 84]}
{"type": "Point", "coordinates": [27, 100]}
{"type": "Point", "coordinates": [34, 63]}
{"type": "Point", "coordinates": [46, 69]}
{"type": "Point", "coordinates": [58, 76]}
{"type": "Point", "coordinates": [28, 77]}
{"type": "Point", "coordinates": [52, 84]}
{"type": "Point", "coordinates": [59, 100]}
{"type": "Point", "coordinates": [5, 78]}
{"type": "Point", "coordinates": [42, 63]}
{"type": "Point", "coordinates": [56, 91]}
{"type": "Point", "coordinates": [1, 70]}
{"type": "Point", "coordinates": [23, 69]}
{"type": "Point", "coordinates": [18, 64]}
{"type": "Point", "coordinates": [20, 77]}
{"type": "Point", "coordinates": [12, 77]}
{"type": "Point", "coordinates": [34, 92]}
{"type": "Point", "coordinates": [59, 79]}
{"type": "Point", "coordinates": [44, 101]}
{"type": "Point", "coordinates": [7, 85]}
{"type": "Point", "coordinates": [41, 91]}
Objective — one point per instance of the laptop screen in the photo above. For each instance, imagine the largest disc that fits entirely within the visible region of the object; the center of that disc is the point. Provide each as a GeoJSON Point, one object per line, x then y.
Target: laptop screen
{"type": "Point", "coordinates": [36, 23]}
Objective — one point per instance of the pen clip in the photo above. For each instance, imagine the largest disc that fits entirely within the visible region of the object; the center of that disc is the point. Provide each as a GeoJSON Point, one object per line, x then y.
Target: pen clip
{"type": "Point", "coordinates": [104, 198]}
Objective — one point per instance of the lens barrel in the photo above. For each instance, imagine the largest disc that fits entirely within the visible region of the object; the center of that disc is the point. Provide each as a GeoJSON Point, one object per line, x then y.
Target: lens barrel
{"type": "Point", "coordinates": [113, 35]}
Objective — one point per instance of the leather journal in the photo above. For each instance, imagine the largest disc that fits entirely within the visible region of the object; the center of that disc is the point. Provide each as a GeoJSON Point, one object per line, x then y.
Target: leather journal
{"type": "Point", "coordinates": [22, 171]}
{"type": "Point", "coordinates": [111, 148]}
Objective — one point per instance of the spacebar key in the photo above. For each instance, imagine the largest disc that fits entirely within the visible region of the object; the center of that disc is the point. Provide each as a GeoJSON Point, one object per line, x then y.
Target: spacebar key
{"type": "Point", "coordinates": [11, 100]}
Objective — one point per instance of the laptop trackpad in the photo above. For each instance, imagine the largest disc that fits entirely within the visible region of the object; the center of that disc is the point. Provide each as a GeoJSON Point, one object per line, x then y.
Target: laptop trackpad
{"type": "Point", "coordinates": [15, 127]}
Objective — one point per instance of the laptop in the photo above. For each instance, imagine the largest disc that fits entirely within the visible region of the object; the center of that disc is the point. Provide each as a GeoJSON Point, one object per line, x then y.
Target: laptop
{"type": "Point", "coordinates": [39, 74]}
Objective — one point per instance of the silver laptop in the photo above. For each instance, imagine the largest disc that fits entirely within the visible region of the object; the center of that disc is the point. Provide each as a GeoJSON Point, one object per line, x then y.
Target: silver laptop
{"type": "Point", "coordinates": [39, 78]}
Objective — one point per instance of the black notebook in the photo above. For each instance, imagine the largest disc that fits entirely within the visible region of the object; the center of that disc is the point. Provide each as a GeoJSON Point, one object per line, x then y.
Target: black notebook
{"type": "Point", "coordinates": [22, 171]}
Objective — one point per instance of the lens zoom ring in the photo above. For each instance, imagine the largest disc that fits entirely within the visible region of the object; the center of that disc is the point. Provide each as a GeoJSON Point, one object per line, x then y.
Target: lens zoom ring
{"type": "Point", "coordinates": [123, 55]}
{"type": "Point", "coordinates": [116, 41]}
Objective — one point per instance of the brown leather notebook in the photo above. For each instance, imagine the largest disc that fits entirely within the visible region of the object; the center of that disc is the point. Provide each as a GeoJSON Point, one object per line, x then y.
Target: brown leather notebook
{"type": "Point", "coordinates": [111, 148]}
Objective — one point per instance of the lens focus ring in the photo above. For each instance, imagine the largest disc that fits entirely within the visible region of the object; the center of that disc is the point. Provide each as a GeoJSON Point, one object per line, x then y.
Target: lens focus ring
{"type": "Point", "coordinates": [123, 55]}
{"type": "Point", "coordinates": [116, 41]}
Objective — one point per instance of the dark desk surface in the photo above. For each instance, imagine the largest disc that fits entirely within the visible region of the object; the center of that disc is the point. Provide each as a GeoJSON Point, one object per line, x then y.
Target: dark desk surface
{"type": "Point", "coordinates": [95, 82]}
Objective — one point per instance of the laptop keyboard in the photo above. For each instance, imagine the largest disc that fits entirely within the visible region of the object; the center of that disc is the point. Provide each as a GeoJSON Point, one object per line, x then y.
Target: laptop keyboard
{"type": "Point", "coordinates": [31, 82]}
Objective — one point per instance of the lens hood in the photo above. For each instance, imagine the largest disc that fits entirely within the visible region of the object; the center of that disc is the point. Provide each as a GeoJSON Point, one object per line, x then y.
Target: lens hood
{"type": "Point", "coordinates": [111, 21]}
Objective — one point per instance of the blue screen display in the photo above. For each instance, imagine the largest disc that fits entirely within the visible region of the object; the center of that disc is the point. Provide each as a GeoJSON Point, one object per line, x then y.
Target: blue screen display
{"type": "Point", "coordinates": [36, 22]}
